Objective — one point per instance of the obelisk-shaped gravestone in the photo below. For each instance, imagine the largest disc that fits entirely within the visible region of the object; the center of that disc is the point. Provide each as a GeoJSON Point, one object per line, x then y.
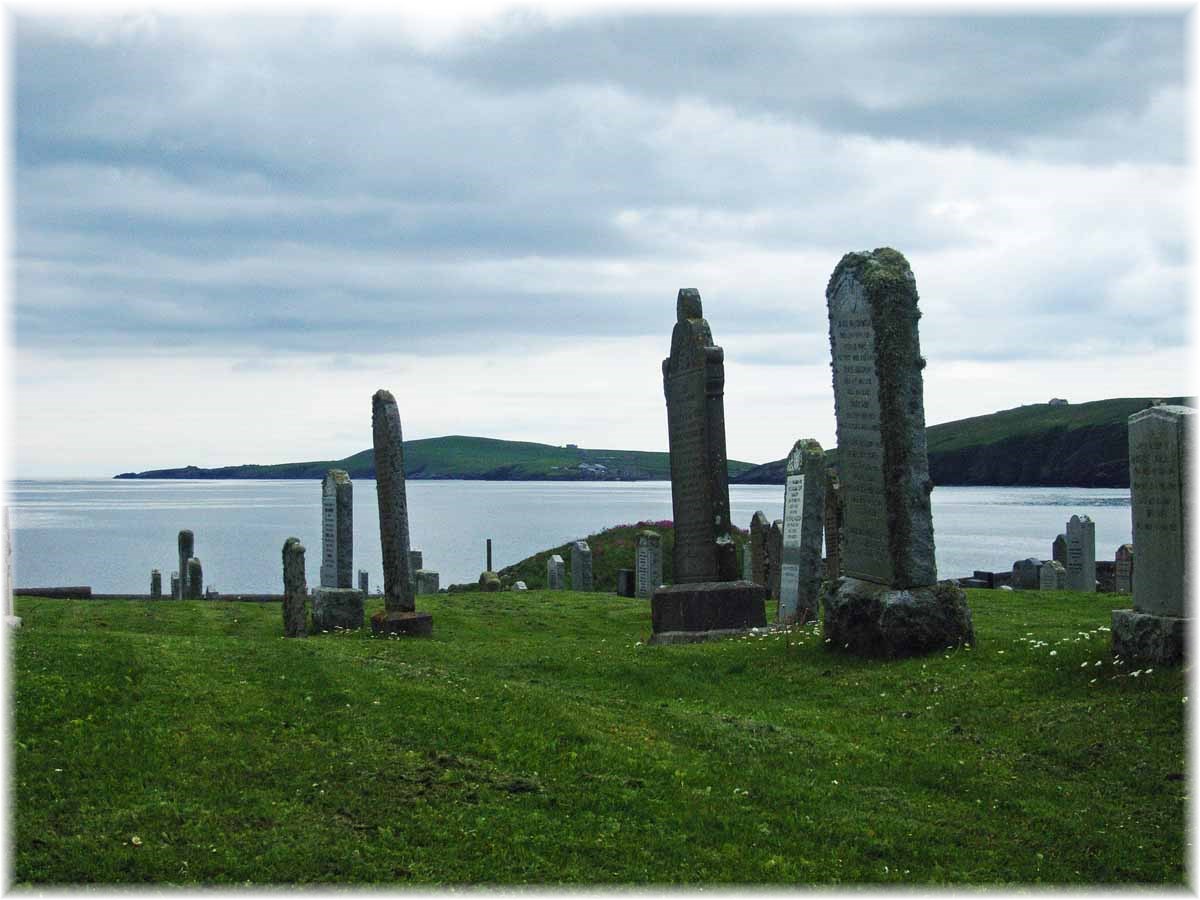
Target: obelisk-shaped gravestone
{"type": "Point", "coordinates": [187, 549]}
{"type": "Point", "coordinates": [1160, 458]}
{"type": "Point", "coordinates": [803, 515]}
{"type": "Point", "coordinates": [337, 530]}
{"type": "Point", "coordinates": [706, 600]}
{"type": "Point", "coordinates": [399, 615]}
{"type": "Point", "coordinates": [888, 602]}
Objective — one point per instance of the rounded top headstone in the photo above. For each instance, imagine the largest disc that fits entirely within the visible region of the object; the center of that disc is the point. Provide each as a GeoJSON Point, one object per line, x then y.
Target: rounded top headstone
{"type": "Point", "coordinates": [688, 306]}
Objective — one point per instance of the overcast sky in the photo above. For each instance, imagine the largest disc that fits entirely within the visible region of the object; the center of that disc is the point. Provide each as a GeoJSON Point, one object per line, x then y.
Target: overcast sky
{"type": "Point", "coordinates": [228, 232]}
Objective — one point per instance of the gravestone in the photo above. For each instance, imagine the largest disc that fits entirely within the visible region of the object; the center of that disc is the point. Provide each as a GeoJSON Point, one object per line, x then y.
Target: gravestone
{"type": "Point", "coordinates": [1026, 574]}
{"type": "Point", "coordinates": [295, 589]}
{"type": "Point", "coordinates": [489, 555]}
{"type": "Point", "coordinates": [176, 587]}
{"type": "Point", "coordinates": [747, 562]}
{"type": "Point", "coordinates": [428, 581]}
{"type": "Point", "coordinates": [774, 558]}
{"type": "Point", "coordinates": [1058, 550]}
{"type": "Point", "coordinates": [155, 584]}
{"type": "Point", "coordinates": [833, 526]}
{"type": "Point", "coordinates": [759, 529]}
{"type": "Point", "coordinates": [803, 526]}
{"type": "Point", "coordinates": [649, 563]}
{"type": "Point", "coordinates": [1081, 554]}
{"type": "Point", "coordinates": [1123, 564]}
{"type": "Point", "coordinates": [195, 580]}
{"type": "Point", "coordinates": [889, 602]}
{"type": "Point", "coordinates": [1160, 459]}
{"type": "Point", "coordinates": [399, 615]}
{"type": "Point", "coordinates": [1052, 576]}
{"type": "Point", "coordinates": [581, 566]}
{"type": "Point", "coordinates": [705, 601]}
{"type": "Point", "coordinates": [337, 608]}
{"type": "Point", "coordinates": [337, 530]}
{"type": "Point", "coordinates": [362, 582]}
{"type": "Point", "coordinates": [1106, 576]}
{"type": "Point", "coordinates": [187, 549]}
{"type": "Point", "coordinates": [416, 560]}
{"type": "Point", "coordinates": [556, 573]}
{"type": "Point", "coordinates": [625, 583]}
{"type": "Point", "coordinates": [520, 586]}
{"type": "Point", "coordinates": [11, 617]}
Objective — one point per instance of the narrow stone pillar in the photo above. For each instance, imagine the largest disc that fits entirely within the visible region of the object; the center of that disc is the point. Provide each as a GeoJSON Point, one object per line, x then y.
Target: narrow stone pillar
{"type": "Point", "coordinates": [195, 579]}
{"type": "Point", "coordinates": [803, 515]}
{"type": "Point", "coordinates": [187, 549]}
{"type": "Point", "coordinates": [295, 589]}
{"type": "Point", "coordinates": [155, 584]}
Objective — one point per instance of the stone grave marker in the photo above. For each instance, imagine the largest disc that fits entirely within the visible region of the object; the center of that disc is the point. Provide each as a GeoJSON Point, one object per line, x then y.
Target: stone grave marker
{"type": "Point", "coordinates": [1160, 460]}
{"type": "Point", "coordinates": [1123, 563]}
{"type": "Point", "coordinates": [520, 586]}
{"type": "Point", "coordinates": [1058, 550]}
{"type": "Point", "coordinates": [1052, 576]}
{"type": "Point", "coordinates": [625, 583]}
{"type": "Point", "coordinates": [1081, 554]}
{"type": "Point", "coordinates": [399, 615]}
{"type": "Point", "coordinates": [362, 582]}
{"type": "Point", "coordinates": [11, 617]}
{"type": "Point", "coordinates": [337, 608]}
{"type": "Point", "coordinates": [889, 602]}
{"type": "Point", "coordinates": [747, 562]}
{"type": "Point", "coordinates": [337, 530]}
{"type": "Point", "coordinates": [428, 581]}
{"type": "Point", "coordinates": [649, 563]}
{"type": "Point", "coordinates": [581, 566]}
{"type": "Point", "coordinates": [416, 560]}
{"type": "Point", "coordinates": [759, 529]}
{"type": "Point", "coordinates": [489, 556]}
{"type": "Point", "coordinates": [774, 558]}
{"type": "Point", "coordinates": [155, 584]}
{"type": "Point", "coordinates": [556, 573]}
{"type": "Point", "coordinates": [833, 527]}
{"type": "Point", "coordinates": [295, 589]}
{"type": "Point", "coordinates": [705, 601]}
{"type": "Point", "coordinates": [1026, 574]}
{"type": "Point", "coordinates": [803, 526]}
{"type": "Point", "coordinates": [176, 586]}
{"type": "Point", "coordinates": [187, 549]}
{"type": "Point", "coordinates": [195, 579]}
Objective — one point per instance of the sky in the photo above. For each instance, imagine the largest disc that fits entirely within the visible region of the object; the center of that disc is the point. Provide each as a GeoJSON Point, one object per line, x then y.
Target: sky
{"type": "Point", "coordinates": [228, 230]}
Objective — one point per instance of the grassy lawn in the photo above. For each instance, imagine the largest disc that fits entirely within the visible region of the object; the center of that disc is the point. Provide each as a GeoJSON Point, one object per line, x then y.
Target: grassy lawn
{"type": "Point", "coordinates": [534, 739]}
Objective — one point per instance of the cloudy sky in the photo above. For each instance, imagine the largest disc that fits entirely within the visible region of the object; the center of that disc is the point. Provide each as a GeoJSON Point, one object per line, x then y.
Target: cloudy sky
{"type": "Point", "coordinates": [228, 232]}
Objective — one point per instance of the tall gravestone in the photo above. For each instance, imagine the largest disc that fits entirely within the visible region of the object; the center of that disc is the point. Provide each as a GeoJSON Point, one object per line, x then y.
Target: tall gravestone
{"type": "Point", "coordinates": [556, 573]}
{"type": "Point", "coordinates": [1123, 565]}
{"type": "Point", "coordinates": [705, 600]}
{"type": "Point", "coordinates": [1081, 554]}
{"type": "Point", "coordinates": [399, 615]}
{"type": "Point", "coordinates": [416, 562]}
{"type": "Point", "coordinates": [195, 580]}
{"type": "Point", "coordinates": [362, 582]}
{"type": "Point", "coordinates": [803, 525]}
{"type": "Point", "coordinates": [187, 549]}
{"type": "Point", "coordinates": [155, 584]}
{"type": "Point", "coordinates": [295, 589]}
{"type": "Point", "coordinates": [649, 563]}
{"type": "Point", "coordinates": [489, 556]}
{"type": "Point", "coordinates": [747, 562]}
{"type": "Point", "coordinates": [11, 617]}
{"type": "Point", "coordinates": [833, 526]}
{"type": "Point", "coordinates": [581, 566]}
{"type": "Point", "coordinates": [1058, 550]}
{"type": "Point", "coordinates": [759, 528]}
{"type": "Point", "coordinates": [337, 530]}
{"type": "Point", "coordinates": [1160, 459]}
{"type": "Point", "coordinates": [176, 587]}
{"type": "Point", "coordinates": [889, 602]}
{"type": "Point", "coordinates": [774, 558]}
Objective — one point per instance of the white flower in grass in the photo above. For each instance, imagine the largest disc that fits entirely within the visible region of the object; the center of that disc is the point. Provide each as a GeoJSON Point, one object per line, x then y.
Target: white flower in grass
{"type": "Point", "coordinates": [1054, 653]}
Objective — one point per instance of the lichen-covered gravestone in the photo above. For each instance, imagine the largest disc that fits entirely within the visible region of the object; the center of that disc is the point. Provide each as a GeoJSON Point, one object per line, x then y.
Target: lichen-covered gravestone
{"type": "Point", "coordinates": [1123, 566]}
{"type": "Point", "coordinates": [803, 512]}
{"type": "Point", "coordinates": [759, 528]}
{"type": "Point", "coordinates": [195, 579]}
{"type": "Point", "coordinates": [1052, 576]}
{"type": "Point", "coordinates": [399, 615]}
{"type": "Point", "coordinates": [581, 566]}
{"type": "Point", "coordinates": [1081, 554]}
{"type": "Point", "coordinates": [428, 582]}
{"type": "Point", "coordinates": [1058, 550]}
{"type": "Point", "coordinates": [176, 587]}
{"type": "Point", "coordinates": [556, 573]}
{"type": "Point", "coordinates": [889, 602]}
{"type": "Point", "coordinates": [649, 563]}
{"type": "Point", "coordinates": [1160, 458]}
{"type": "Point", "coordinates": [1026, 574]}
{"type": "Point", "coordinates": [187, 549]}
{"type": "Point", "coordinates": [337, 530]}
{"type": "Point", "coordinates": [833, 526]}
{"type": "Point", "coordinates": [706, 601]}
{"type": "Point", "coordinates": [295, 589]}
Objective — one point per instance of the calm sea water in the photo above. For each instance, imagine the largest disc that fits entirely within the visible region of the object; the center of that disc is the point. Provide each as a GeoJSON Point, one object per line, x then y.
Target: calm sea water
{"type": "Point", "coordinates": [110, 534]}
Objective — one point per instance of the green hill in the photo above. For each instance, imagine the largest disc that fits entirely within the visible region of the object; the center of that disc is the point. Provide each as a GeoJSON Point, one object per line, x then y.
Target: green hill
{"type": "Point", "coordinates": [1077, 445]}
{"type": "Point", "coordinates": [459, 457]}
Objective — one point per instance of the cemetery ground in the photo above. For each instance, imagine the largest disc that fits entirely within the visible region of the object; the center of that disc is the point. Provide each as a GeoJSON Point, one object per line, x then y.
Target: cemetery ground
{"type": "Point", "coordinates": [534, 739]}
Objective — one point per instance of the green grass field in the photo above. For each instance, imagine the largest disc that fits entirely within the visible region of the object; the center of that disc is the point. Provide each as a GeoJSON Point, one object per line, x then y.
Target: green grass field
{"type": "Point", "coordinates": [536, 739]}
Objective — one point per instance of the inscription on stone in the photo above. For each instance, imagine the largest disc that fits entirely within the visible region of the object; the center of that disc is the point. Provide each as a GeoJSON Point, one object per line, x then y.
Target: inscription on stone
{"type": "Point", "coordinates": [649, 563]}
{"type": "Point", "coordinates": [1081, 554]}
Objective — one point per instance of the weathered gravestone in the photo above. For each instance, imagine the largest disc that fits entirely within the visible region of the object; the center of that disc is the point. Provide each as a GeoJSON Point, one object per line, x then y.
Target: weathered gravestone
{"type": "Point", "coordinates": [362, 582]}
{"type": "Point", "coordinates": [705, 601]}
{"type": "Point", "coordinates": [649, 563]}
{"type": "Point", "coordinates": [1106, 576]}
{"type": "Point", "coordinates": [1123, 564]}
{"type": "Point", "coordinates": [10, 613]}
{"type": "Point", "coordinates": [489, 556]}
{"type": "Point", "coordinates": [556, 573]}
{"type": "Point", "coordinates": [1081, 554]}
{"type": "Point", "coordinates": [187, 549]}
{"type": "Point", "coordinates": [337, 530]}
{"type": "Point", "coordinates": [155, 584]}
{"type": "Point", "coordinates": [1160, 459]}
{"type": "Point", "coordinates": [774, 558]}
{"type": "Point", "coordinates": [803, 515]}
{"type": "Point", "coordinates": [1058, 550]}
{"type": "Point", "coordinates": [334, 608]}
{"type": "Point", "coordinates": [195, 580]}
{"type": "Point", "coordinates": [399, 615]}
{"type": "Point", "coordinates": [625, 583]}
{"type": "Point", "coordinates": [1052, 576]}
{"type": "Point", "coordinates": [1026, 574]}
{"type": "Point", "coordinates": [833, 526]}
{"type": "Point", "coordinates": [176, 587]}
{"type": "Point", "coordinates": [428, 581]}
{"type": "Point", "coordinates": [889, 602]}
{"type": "Point", "coordinates": [295, 589]}
{"type": "Point", "coordinates": [489, 582]}
{"type": "Point", "coordinates": [760, 527]}
{"type": "Point", "coordinates": [747, 562]}
{"type": "Point", "coordinates": [581, 566]}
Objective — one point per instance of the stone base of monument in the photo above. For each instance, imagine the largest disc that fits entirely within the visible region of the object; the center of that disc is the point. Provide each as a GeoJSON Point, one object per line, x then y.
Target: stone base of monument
{"type": "Point", "coordinates": [336, 608]}
{"type": "Point", "coordinates": [414, 624]}
{"type": "Point", "coordinates": [683, 613]}
{"type": "Point", "coordinates": [879, 621]}
{"type": "Point", "coordinates": [1143, 638]}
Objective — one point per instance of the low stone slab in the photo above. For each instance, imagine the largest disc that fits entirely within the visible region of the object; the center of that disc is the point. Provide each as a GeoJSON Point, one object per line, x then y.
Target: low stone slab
{"type": "Point", "coordinates": [413, 624]}
{"type": "Point", "coordinates": [706, 610]}
{"type": "Point", "coordinates": [336, 608]}
{"type": "Point", "coordinates": [1143, 638]}
{"type": "Point", "coordinates": [877, 621]}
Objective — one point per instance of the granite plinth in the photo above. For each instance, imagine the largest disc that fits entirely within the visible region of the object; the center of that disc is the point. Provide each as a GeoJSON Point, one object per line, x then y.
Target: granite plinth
{"type": "Point", "coordinates": [413, 624]}
{"type": "Point", "coordinates": [1144, 638]}
{"type": "Point", "coordinates": [876, 620]}
{"type": "Point", "coordinates": [705, 610]}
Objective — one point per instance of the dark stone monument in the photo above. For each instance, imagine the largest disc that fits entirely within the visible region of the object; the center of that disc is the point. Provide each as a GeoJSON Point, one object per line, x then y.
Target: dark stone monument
{"type": "Point", "coordinates": [889, 602]}
{"type": "Point", "coordinates": [362, 582]}
{"type": "Point", "coordinates": [706, 600]}
{"type": "Point", "coordinates": [803, 514]}
{"type": "Point", "coordinates": [334, 608]}
{"type": "Point", "coordinates": [399, 615]}
{"type": "Point", "coordinates": [1026, 574]}
{"type": "Point", "coordinates": [195, 580]}
{"type": "Point", "coordinates": [176, 587]}
{"type": "Point", "coordinates": [337, 530]}
{"type": "Point", "coordinates": [626, 585]}
{"type": "Point", "coordinates": [833, 526]}
{"type": "Point", "coordinates": [489, 556]}
{"type": "Point", "coordinates": [295, 589]}
{"type": "Point", "coordinates": [155, 584]}
{"type": "Point", "coordinates": [774, 558]}
{"type": "Point", "coordinates": [1058, 550]}
{"type": "Point", "coordinates": [759, 528]}
{"type": "Point", "coordinates": [187, 549]}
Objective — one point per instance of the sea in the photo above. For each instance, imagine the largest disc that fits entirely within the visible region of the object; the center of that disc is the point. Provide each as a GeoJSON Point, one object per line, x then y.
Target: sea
{"type": "Point", "coordinates": [109, 534]}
